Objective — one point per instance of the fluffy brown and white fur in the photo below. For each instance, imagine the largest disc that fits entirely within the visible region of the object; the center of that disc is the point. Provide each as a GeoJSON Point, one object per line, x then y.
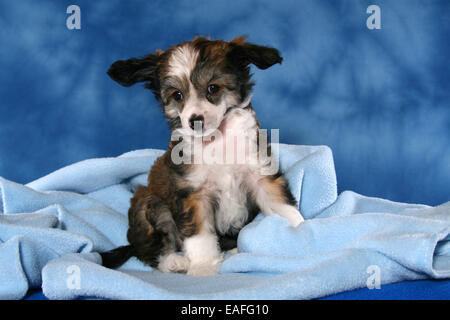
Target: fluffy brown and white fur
{"type": "Point", "coordinates": [199, 208]}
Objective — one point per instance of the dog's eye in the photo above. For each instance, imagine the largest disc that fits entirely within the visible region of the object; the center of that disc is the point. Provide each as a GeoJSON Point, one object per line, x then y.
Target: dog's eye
{"type": "Point", "coordinates": [177, 96]}
{"type": "Point", "coordinates": [213, 88]}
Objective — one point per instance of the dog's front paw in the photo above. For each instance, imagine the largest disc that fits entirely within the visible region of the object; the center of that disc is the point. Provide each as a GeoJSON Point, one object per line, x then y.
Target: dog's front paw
{"type": "Point", "coordinates": [232, 251]}
{"type": "Point", "coordinates": [295, 220]}
{"type": "Point", "coordinates": [292, 214]}
{"type": "Point", "coordinates": [173, 262]}
{"type": "Point", "coordinates": [205, 269]}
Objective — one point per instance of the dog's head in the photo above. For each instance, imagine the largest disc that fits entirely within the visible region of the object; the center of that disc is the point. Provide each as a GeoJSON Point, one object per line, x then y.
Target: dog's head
{"type": "Point", "coordinates": [198, 80]}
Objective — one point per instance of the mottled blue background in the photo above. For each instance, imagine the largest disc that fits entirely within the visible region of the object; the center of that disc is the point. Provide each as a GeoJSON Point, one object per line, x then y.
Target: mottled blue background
{"type": "Point", "coordinates": [380, 99]}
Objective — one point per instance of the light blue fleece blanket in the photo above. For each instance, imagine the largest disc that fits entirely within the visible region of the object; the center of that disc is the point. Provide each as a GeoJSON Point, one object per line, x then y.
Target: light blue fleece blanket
{"type": "Point", "coordinates": [52, 229]}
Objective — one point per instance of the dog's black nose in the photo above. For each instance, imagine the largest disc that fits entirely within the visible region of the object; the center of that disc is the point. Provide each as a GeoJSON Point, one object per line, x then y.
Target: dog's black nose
{"type": "Point", "coordinates": [194, 118]}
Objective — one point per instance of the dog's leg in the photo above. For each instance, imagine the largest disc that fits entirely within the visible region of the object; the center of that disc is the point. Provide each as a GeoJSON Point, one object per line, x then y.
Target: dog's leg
{"type": "Point", "coordinates": [173, 262]}
{"type": "Point", "coordinates": [273, 196]}
{"type": "Point", "coordinates": [271, 193]}
{"type": "Point", "coordinates": [201, 247]}
{"type": "Point", "coordinates": [153, 234]}
{"type": "Point", "coordinates": [203, 253]}
{"type": "Point", "coordinates": [162, 220]}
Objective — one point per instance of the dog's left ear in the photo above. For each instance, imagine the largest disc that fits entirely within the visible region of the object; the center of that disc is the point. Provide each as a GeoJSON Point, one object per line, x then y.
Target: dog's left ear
{"type": "Point", "coordinates": [243, 53]}
{"type": "Point", "coordinates": [131, 71]}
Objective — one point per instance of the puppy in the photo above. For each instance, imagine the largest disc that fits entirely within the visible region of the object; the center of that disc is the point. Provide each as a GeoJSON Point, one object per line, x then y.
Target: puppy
{"type": "Point", "coordinates": [198, 207]}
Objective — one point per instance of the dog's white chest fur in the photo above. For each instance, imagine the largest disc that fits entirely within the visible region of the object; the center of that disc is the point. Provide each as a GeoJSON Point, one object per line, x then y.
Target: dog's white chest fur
{"type": "Point", "coordinates": [227, 182]}
{"type": "Point", "coordinates": [231, 212]}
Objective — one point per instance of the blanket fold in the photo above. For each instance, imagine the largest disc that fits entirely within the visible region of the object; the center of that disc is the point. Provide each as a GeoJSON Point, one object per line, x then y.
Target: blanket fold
{"type": "Point", "coordinates": [52, 229]}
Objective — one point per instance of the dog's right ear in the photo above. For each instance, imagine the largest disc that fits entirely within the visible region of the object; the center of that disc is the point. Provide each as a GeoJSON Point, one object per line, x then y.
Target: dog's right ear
{"type": "Point", "coordinates": [243, 53]}
{"type": "Point", "coordinates": [131, 71]}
